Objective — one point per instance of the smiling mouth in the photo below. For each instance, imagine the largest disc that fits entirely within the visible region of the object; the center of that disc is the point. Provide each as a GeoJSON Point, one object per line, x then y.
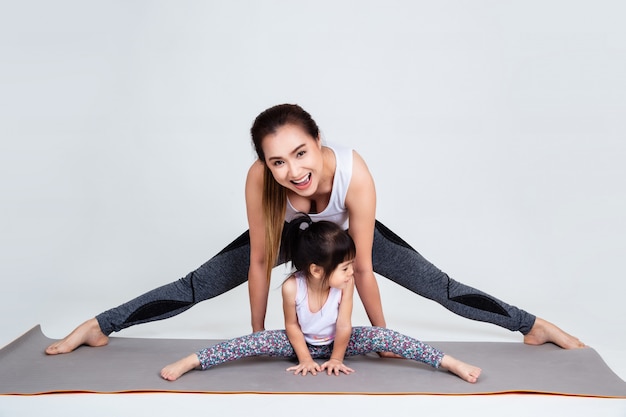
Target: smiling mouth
{"type": "Point", "coordinates": [303, 182]}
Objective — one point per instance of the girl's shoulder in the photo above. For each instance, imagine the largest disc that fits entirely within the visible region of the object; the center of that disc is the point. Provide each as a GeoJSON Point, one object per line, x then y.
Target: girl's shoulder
{"type": "Point", "coordinates": [291, 283]}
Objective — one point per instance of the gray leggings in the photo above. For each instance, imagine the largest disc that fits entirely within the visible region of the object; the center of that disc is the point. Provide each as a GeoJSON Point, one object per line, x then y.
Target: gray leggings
{"type": "Point", "coordinates": [391, 256]}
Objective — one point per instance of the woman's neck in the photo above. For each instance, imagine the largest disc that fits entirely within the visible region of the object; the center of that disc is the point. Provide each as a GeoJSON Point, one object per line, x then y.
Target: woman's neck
{"type": "Point", "coordinates": [330, 165]}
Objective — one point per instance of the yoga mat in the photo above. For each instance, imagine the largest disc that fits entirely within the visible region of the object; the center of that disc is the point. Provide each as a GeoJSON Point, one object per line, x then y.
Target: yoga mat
{"type": "Point", "coordinates": [133, 365]}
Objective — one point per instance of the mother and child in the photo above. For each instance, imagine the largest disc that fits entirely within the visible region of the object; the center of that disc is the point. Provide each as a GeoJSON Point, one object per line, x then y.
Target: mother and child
{"type": "Point", "coordinates": [295, 173]}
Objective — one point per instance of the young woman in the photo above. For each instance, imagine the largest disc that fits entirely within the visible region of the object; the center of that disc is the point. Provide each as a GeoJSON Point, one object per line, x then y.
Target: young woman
{"type": "Point", "coordinates": [295, 173]}
{"type": "Point", "coordinates": [317, 304]}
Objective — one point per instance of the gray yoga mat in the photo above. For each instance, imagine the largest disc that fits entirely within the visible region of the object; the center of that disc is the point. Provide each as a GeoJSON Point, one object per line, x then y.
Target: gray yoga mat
{"type": "Point", "coordinates": [133, 364]}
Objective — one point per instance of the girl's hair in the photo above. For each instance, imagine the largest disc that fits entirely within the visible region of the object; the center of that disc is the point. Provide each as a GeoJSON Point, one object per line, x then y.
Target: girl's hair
{"type": "Point", "coordinates": [322, 243]}
{"type": "Point", "coordinates": [274, 195]}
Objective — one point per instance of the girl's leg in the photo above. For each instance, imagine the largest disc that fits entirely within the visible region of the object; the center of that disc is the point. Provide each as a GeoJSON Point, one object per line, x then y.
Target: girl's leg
{"type": "Point", "coordinates": [265, 343]}
{"type": "Point", "coordinates": [396, 260]}
{"type": "Point", "coordinates": [377, 339]}
{"type": "Point", "coordinates": [268, 343]}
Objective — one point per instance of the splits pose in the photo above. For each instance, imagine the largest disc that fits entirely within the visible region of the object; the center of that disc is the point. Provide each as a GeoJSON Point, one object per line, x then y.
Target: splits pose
{"type": "Point", "coordinates": [296, 173]}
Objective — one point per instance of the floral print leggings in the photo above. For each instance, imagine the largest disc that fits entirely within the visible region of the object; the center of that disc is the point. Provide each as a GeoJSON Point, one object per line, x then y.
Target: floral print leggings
{"type": "Point", "coordinates": [363, 340]}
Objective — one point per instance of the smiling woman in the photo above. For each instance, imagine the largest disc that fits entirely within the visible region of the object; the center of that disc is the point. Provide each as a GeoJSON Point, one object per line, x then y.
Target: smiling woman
{"type": "Point", "coordinates": [296, 173]}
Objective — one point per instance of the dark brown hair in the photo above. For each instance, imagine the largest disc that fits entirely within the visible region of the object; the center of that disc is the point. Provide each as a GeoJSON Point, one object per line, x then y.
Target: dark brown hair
{"type": "Point", "coordinates": [274, 195]}
{"type": "Point", "coordinates": [322, 243]}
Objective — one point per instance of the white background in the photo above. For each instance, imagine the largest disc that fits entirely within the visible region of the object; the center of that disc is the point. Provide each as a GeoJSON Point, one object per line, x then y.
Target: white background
{"type": "Point", "coordinates": [495, 131]}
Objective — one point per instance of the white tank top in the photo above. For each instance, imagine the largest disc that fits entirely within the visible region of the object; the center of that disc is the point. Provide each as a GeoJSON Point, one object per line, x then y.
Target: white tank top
{"type": "Point", "coordinates": [336, 211]}
{"type": "Point", "coordinates": [318, 328]}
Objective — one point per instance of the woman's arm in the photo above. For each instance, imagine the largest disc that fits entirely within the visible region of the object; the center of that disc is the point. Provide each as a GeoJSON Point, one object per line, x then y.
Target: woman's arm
{"type": "Point", "coordinates": [294, 332]}
{"type": "Point", "coordinates": [361, 204]}
{"type": "Point", "coordinates": [258, 287]}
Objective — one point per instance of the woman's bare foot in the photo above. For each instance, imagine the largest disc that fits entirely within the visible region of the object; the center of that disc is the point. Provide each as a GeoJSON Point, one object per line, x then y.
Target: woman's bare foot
{"type": "Point", "coordinates": [467, 372]}
{"type": "Point", "coordinates": [88, 333]}
{"type": "Point", "coordinates": [545, 332]}
{"type": "Point", "coordinates": [175, 370]}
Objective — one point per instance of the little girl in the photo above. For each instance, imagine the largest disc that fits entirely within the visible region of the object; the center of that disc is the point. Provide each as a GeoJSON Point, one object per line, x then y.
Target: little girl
{"type": "Point", "coordinates": [317, 304]}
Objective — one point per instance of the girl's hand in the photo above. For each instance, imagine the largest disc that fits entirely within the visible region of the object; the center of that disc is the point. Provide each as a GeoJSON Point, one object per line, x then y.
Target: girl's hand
{"type": "Point", "coordinates": [305, 367]}
{"type": "Point", "coordinates": [335, 366]}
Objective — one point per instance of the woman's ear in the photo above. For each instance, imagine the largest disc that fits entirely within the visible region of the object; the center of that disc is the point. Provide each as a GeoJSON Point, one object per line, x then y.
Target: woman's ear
{"type": "Point", "coordinates": [316, 271]}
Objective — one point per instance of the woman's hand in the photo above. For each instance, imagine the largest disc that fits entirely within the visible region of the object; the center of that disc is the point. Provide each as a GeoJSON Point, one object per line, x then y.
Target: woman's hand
{"type": "Point", "coordinates": [305, 367]}
{"type": "Point", "coordinates": [335, 366]}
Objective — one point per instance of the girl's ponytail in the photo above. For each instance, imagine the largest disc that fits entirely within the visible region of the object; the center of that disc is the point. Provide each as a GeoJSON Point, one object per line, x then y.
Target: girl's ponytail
{"type": "Point", "coordinates": [293, 239]}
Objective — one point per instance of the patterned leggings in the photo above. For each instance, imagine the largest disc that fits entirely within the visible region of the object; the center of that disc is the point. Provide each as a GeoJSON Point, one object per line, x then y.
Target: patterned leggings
{"type": "Point", "coordinates": [363, 340]}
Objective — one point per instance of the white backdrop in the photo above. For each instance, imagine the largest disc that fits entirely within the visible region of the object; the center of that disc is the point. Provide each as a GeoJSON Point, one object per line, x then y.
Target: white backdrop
{"type": "Point", "coordinates": [495, 132]}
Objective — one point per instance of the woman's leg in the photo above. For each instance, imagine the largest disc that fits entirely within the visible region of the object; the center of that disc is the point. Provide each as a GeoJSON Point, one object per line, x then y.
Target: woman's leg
{"type": "Point", "coordinates": [396, 260]}
{"type": "Point", "coordinates": [223, 272]}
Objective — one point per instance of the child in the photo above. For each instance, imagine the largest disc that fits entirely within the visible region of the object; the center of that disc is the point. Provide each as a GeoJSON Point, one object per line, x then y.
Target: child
{"type": "Point", "coordinates": [317, 304]}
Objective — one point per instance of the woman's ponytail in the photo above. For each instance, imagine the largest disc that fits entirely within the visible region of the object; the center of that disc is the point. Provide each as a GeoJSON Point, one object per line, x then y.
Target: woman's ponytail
{"type": "Point", "coordinates": [274, 195]}
{"type": "Point", "coordinates": [274, 206]}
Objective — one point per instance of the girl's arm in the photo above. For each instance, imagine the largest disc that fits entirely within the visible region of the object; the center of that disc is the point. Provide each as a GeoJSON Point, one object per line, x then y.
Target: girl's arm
{"type": "Point", "coordinates": [343, 332]}
{"type": "Point", "coordinates": [258, 287]}
{"type": "Point", "coordinates": [361, 204]}
{"type": "Point", "coordinates": [294, 332]}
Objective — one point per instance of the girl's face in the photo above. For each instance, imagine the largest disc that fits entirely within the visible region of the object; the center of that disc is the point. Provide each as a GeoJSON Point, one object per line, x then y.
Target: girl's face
{"type": "Point", "coordinates": [342, 275]}
{"type": "Point", "coordinates": [295, 159]}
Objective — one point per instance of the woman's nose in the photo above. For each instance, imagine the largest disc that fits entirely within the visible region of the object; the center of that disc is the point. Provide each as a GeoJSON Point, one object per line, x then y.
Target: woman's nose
{"type": "Point", "coordinates": [294, 170]}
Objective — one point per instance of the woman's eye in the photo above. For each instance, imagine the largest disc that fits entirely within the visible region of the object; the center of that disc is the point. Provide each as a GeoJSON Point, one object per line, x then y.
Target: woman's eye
{"type": "Point", "coordinates": [301, 153]}
{"type": "Point", "coordinates": [278, 163]}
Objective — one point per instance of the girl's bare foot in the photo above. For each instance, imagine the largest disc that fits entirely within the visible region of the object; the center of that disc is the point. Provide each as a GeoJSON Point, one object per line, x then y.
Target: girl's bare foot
{"type": "Point", "coordinates": [463, 370]}
{"type": "Point", "coordinates": [88, 333]}
{"type": "Point", "coordinates": [175, 370]}
{"type": "Point", "coordinates": [543, 332]}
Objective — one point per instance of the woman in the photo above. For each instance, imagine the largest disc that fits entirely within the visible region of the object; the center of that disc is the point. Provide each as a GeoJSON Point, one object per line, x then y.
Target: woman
{"type": "Point", "coordinates": [296, 173]}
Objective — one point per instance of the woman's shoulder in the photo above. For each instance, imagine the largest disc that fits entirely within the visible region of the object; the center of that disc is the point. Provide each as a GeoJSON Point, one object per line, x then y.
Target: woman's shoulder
{"type": "Point", "coordinates": [361, 175]}
{"type": "Point", "coordinates": [256, 170]}
{"type": "Point", "coordinates": [346, 152]}
{"type": "Point", "coordinates": [254, 182]}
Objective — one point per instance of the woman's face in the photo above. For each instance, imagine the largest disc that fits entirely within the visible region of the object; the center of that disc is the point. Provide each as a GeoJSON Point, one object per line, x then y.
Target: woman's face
{"type": "Point", "coordinates": [295, 159]}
